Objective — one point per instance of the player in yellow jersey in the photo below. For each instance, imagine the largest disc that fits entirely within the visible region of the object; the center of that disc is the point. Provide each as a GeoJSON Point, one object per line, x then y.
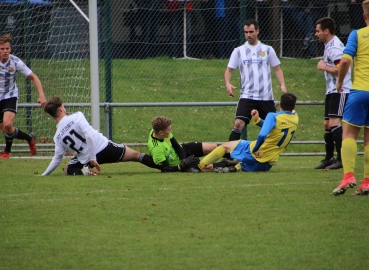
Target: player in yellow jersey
{"type": "Point", "coordinates": [356, 112]}
{"type": "Point", "coordinates": [276, 132]}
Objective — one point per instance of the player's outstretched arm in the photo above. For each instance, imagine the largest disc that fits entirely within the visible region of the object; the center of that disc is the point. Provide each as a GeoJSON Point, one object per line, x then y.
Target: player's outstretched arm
{"type": "Point", "coordinates": [36, 81]}
{"type": "Point", "coordinates": [53, 164]}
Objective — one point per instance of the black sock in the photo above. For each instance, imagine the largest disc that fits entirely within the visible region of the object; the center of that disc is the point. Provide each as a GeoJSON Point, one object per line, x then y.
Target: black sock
{"type": "Point", "coordinates": [148, 161]}
{"type": "Point", "coordinates": [8, 143]}
{"type": "Point", "coordinates": [235, 135]}
{"type": "Point", "coordinates": [227, 156]}
{"type": "Point", "coordinates": [337, 138]}
{"type": "Point", "coordinates": [329, 144]}
{"type": "Point", "coordinates": [19, 134]}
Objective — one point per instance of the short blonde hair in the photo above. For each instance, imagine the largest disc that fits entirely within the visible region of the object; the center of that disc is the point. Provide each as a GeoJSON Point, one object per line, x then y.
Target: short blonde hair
{"type": "Point", "coordinates": [5, 39]}
{"type": "Point", "coordinates": [365, 5]}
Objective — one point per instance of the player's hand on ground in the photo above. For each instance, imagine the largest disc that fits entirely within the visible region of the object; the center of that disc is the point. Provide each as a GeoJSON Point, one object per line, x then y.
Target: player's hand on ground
{"type": "Point", "coordinates": [95, 164]}
{"type": "Point", "coordinates": [255, 114]}
{"type": "Point", "coordinates": [230, 89]}
{"type": "Point", "coordinates": [191, 161]}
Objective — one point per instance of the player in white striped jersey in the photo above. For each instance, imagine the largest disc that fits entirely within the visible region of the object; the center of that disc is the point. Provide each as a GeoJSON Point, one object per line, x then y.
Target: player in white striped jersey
{"type": "Point", "coordinates": [9, 93]}
{"type": "Point", "coordinates": [91, 148]}
{"type": "Point", "coordinates": [254, 60]}
{"type": "Point", "coordinates": [334, 101]}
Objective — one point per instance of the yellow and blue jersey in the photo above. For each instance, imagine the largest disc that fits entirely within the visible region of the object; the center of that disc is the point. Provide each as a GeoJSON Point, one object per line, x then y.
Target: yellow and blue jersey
{"type": "Point", "coordinates": [357, 49]}
{"type": "Point", "coordinates": [276, 132]}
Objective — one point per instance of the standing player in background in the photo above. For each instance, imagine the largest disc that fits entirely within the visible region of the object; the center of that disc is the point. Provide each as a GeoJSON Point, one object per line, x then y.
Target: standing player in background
{"type": "Point", "coordinates": [356, 112]}
{"type": "Point", "coordinates": [254, 60]}
{"type": "Point", "coordinates": [9, 94]}
{"type": "Point", "coordinates": [334, 101]}
{"type": "Point", "coordinates": [276, 132]}
{"type": "Point", "coordinates": [75, 135]}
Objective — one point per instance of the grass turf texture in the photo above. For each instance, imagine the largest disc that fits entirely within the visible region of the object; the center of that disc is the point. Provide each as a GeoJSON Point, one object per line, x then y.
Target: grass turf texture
{"type": "Point", "coordinates": [133, 217]}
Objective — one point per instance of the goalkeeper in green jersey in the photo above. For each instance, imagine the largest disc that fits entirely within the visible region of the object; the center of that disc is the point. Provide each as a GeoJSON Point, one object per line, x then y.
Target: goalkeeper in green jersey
{"type": "Point", "coordinates": [170, 155]}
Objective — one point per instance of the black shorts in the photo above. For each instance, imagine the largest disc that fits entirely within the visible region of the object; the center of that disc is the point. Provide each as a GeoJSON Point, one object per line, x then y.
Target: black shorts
{"type": "Point", "coordinates": [112, 153]}
{"type": "Point", "coordinates": [193, 148]}
{"type": "Point", "coordinates": [245, 106]}
{"type": "Point", "coordinates": [334, 105]}
{"type": "Point", "coordinates": [10, 104]}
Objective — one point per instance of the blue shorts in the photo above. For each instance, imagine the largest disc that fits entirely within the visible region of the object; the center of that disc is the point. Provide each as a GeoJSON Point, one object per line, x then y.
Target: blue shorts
{"type": "Point", "coordinates": [249, 164]}
{"type": "Point", "coordinates": [356, 110]}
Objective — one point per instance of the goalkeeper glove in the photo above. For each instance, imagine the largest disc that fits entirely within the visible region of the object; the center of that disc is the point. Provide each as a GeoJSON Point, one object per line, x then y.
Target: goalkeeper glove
{"type": "Point", "coordinates": [191, 161]}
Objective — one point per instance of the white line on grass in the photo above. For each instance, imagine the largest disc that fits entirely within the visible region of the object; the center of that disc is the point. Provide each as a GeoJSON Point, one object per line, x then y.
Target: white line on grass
{"type": "Point", "coordinates": [5, 196]}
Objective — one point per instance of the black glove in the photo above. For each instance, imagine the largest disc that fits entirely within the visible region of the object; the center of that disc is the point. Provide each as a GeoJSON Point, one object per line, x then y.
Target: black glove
{"type": "Point", "coordinates": [191, 161]}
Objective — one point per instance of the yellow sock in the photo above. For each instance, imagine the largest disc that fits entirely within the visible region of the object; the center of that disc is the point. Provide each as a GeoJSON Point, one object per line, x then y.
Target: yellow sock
{"type": "Point", "coordinates": [213, 156]}
{"type": "Point", "coordinates": [366, 161]}
{"type": "Point", "coordinates": [348, 154]}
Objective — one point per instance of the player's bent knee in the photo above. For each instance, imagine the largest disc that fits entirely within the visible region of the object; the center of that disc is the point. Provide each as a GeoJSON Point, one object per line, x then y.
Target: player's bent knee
{"type": "Point", "coordinates": [239, 124]}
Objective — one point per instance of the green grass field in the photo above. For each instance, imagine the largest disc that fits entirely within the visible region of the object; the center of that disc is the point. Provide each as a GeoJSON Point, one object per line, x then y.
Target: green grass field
{"type": "Point", "coordinates": [133, 217]}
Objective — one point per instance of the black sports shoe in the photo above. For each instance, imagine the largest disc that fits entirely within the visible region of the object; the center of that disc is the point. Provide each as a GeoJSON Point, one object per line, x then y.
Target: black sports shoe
{"type": "Point", "coordinates": [325, 163]}
{"type": "Point", "coordinates": [337, 164]}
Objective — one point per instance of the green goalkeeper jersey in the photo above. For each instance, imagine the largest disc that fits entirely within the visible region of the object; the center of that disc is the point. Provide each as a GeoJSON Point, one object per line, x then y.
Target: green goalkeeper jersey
{"type": "Point", "coordinates": [162, 150]}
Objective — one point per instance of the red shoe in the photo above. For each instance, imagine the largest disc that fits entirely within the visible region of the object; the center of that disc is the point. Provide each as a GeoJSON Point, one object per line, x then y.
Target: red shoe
{"type": "Point", "coordinates": [363, 188]}
{"type": "Point", "coordinates": [347, 182]}
{"type": "Point", "coordinates": [5, 154]}
{"type": "Point", "coordinates": [32, 145]}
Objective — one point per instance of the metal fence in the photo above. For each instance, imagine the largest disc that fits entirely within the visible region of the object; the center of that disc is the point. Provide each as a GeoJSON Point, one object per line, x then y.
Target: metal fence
{"type": "Point", "coordinates": [163, 52]}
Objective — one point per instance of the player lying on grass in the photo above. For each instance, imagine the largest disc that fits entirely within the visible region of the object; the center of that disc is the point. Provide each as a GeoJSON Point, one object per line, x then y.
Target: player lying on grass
{"type": "Point", "coordinates": [276, 132]}
{"type": "Point", "coordinates": [172, 157]}
{"type": "Point", "coordinates": [91, 148]}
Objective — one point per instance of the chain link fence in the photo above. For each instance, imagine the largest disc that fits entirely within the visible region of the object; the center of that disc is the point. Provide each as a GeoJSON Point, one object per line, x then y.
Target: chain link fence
{"type": "Point", "coordinates": [167, 51]}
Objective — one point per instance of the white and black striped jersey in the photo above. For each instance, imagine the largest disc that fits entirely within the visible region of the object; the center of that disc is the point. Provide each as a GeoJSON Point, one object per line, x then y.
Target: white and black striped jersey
{"type": "Point", "coordinates": [254, 63]}
{"type": "Point", "coordinates": [333, 51]}
{"type": "Point", "coordinates": [8, 72]}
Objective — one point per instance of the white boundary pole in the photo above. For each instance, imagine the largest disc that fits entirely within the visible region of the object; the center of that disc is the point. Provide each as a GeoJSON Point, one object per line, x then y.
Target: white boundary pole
{"type": "Point", "coordinates": [94, 65]}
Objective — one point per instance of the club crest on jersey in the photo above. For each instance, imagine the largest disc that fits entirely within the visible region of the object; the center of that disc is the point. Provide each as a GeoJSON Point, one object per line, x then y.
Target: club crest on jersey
{"type": "Point", "coordinates": [11, 69]}
{"type": "Point", "coordinates": [262, 54]}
